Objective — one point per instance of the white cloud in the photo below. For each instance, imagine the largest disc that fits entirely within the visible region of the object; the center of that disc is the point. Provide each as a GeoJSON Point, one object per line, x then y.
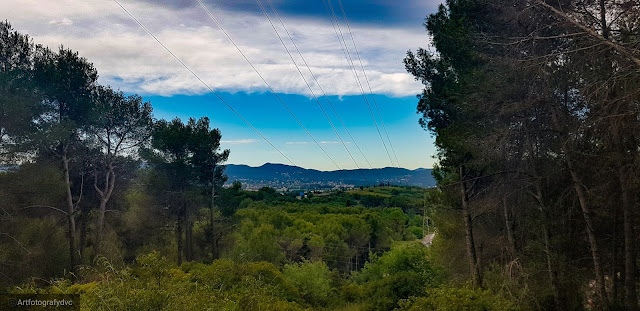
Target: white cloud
{"type": "Point", "coordinates": [296, 142]}
{"type": "Point", "coordinates": [61, 22]}
{"type": "Point", "coordinates": [328, 142]}
{"type": "Point", "coordinates": [129, 59]}
{"type": "Point", "coordinates": [239, 141]}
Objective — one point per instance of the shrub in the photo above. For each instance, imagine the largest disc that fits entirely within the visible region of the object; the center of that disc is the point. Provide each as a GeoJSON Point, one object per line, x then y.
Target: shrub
{"type": "Point", "coordinates": [312, 279]}
{"type": "Point", "coordinates": [454, 299]}
{"type": "Point", "coordinates": [398, 274]}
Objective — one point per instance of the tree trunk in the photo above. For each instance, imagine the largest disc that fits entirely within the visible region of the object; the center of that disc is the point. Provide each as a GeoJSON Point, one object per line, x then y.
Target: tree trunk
{"type": "Point", "coordinates": [553, 278]}
{"type": "Point", "coordinates": [188, 255]}
{"type": "Point", "coordinates": [70, 212]}
{"type": "Point", "coordinates": [188, 241]}
{"type": "Point", "coordinates": [593, 242]}
{"type": "Point", "coordinates": [105, 195]}
{"type": "Point", "coordinates": [84, 229]}
{"type": "Point", "coordinates": [212, 220]}
{"type": "Point", "coordinates": [586, 213]}
{"type": "Point", "coordinates": [509, 229]}
{"type": "Point", "coordinates": [100, 227]}
{"type": "Point", "coordinates": [630, 293]}
{"type": "Point", "coordinates": [616, 264]}
{"type": "Point", "coordinates": [546, 236]}
{"type": "Point", "coordinates": [603, 20]}
{"type": "Point", "coordinates": [468, 230]}
{"type": "Point", "coordinates": [179, 225]}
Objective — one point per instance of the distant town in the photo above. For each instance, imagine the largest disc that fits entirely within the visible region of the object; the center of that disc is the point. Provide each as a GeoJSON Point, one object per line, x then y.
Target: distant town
{"type": "Point", "coordinates": [286, 178]}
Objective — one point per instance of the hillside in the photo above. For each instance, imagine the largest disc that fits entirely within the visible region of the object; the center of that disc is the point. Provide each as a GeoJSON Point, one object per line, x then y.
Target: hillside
{"type": "Point", "coordinates": [287, 176]}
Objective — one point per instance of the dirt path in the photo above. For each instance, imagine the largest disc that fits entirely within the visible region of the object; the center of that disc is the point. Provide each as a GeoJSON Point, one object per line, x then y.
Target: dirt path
{"type": "Point", "coordinates": [428, 239]}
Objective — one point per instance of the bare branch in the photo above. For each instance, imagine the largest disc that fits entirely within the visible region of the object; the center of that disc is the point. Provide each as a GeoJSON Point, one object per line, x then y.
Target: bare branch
{"type": "Point", "coordinates": [45, 206]}
{"type": "Point", "coordinates": [619, 48]}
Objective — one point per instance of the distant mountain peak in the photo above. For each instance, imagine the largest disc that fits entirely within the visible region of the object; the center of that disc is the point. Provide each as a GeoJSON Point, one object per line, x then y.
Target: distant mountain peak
{"type": "Point", "coordinates": [268, 164]}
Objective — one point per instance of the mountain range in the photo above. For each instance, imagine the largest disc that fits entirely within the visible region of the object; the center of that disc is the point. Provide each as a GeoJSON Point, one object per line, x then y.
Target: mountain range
{"type": "Point", "coordinates": [294, 177]}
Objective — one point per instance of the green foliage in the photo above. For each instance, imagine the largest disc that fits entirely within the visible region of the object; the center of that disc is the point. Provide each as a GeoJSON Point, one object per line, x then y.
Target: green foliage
{"type": "Point", "coordinates": [186, 163]}
{"type": "Point", "coordinates": [18, 102]}
{"type": "Point", "coordinates": [154, 284]}
{"type": "Point", "coordinates": [282, 256]}
{"type": "Point", "coordinates": [257, 244]}
{"type": "Point", "coordinates": [119, 122]}
{"type": "Point", "coordinates": [395, 280]}
{"type": "Point", "coordinates": [398, 274]}
{"type": "Point", "coordinates": [35, 247]}
{"type": "Point", "coordinates": [502, 109]}
{"type": "Point", "coordinates": [454, 299]}
{"type": "Point", "coordinates": [65, 81]}
{"type": "Point", "coordinates": [245, 203]}
{"type": "Point", "coordinates": [416, 231]}
{"type": "Point", "coordinates": [32, 243]}
{"type": "Point", "coordinates": [312, 280]}
{"type": "Point", "coordinates": [340, 235]}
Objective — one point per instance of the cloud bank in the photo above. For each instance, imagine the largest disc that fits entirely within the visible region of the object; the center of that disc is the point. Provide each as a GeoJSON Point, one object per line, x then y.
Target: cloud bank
{"type": "Point", "coordinates": [128, 59]}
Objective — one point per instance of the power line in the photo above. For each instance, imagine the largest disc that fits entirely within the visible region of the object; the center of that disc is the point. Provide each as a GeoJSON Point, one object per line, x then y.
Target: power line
{"type": "Point", "coordinates": [307, 83]}
{"type": "Point", "coordinates": [318, 83]}
{"type": "Point", "coordinates": [265, 82]}
{"type": "Point", "coordinates": [345, 49]}
{"type": "Point", "coordinates": [367, 78]}
{"type": "Point", "coordinates": [204, 83]}
{"type": "Point", "coordinates": [358, 79]}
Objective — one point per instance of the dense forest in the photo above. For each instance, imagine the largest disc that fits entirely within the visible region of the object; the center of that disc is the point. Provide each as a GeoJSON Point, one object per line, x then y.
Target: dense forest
{"type": "Point", "coordinates": [535, 110]}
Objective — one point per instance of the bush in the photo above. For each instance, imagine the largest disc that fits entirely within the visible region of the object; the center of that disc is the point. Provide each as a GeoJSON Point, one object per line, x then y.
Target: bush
{"type": "Point", "coordinates": [399, 274]}
{"type": "Point", "coordinates": [454, 299]}
{"type": "Point", "coordinates": [156, 284]}
{"type": "Point", "coordinates": [417, 232]}
{"type": "Point", "coordinates": [312, 279]}
{"type": "Point", "coordinates": [257, 244]}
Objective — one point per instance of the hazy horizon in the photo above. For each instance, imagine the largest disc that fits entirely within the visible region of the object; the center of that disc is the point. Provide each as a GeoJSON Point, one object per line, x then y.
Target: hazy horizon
{"type": "Point", "coordinates": [375, 168]}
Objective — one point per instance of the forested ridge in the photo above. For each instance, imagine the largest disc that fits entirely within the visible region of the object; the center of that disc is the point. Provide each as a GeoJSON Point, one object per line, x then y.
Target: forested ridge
{"type": "Point", "coordinates": [534, 107]}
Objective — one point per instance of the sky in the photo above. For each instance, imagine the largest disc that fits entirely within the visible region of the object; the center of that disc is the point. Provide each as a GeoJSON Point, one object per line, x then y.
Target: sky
{"type": "Point", "coordinates": [382, 127]}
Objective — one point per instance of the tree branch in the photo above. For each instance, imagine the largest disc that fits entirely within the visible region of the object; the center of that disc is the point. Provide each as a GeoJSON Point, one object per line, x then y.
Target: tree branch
{"type": "Point", "coordinates": [14, 239]}
{"type": "Point", "coordinates": [619, 48]}
{"type": "Point", "coordinates": [45, 206]}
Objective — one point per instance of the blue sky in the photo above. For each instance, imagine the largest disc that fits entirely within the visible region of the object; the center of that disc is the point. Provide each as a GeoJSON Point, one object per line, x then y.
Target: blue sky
{"type": "Point", "coordinates": [412, 145]}
{"type": "Point", "coordinates": [388, 12]}
{"type": "Point", "coordinates": [130, 60]}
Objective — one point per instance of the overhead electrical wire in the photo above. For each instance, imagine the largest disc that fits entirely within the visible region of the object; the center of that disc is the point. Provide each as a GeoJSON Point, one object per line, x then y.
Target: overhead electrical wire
{"type": "Point", "coordinates": [318, 82]}
{"type": "Point", "coordinates": [346, 20]}
{"type": "Point", "coordinates": [205, 84]}
{"type": "Point", "coordinates": [265, 82]}
{"type": "Point", "coordinates": [309, 86]}
{"type": "Point", "coordinates": [345, 49]}
{"type": "Point", "coordinates": [343, 44]}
